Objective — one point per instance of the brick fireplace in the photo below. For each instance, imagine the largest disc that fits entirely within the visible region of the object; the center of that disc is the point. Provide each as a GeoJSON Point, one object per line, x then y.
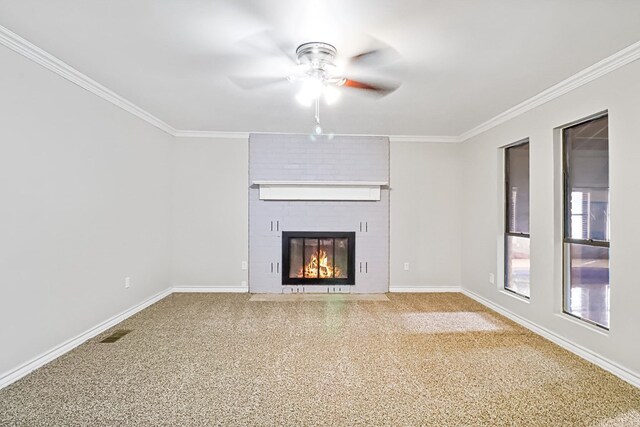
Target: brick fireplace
{"type": "Point", "coordinates": [313, 202]}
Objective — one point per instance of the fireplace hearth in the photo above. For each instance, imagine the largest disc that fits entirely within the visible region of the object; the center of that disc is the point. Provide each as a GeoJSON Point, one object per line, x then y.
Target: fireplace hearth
{"type": "Point", "coordinates": [318, 257]}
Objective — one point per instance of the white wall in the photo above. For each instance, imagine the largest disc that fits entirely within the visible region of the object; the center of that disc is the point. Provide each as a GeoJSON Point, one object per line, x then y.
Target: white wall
{"type": "Point", "coordinates": [84, 192]}
{"type": "Point", "coordinates": [618, 92]}
{"type": "Point", "coordinates": [425, 215]}
{"type": "Point", "coordinates": [210, 212]}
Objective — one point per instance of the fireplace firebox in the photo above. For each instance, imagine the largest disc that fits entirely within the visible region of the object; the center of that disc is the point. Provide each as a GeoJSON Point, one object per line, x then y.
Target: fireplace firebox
{"type": "Point", "coordinates": [318, 258]}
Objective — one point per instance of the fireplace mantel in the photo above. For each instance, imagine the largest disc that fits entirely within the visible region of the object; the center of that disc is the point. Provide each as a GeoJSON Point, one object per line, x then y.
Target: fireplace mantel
{"type": "Point", "coordinates": [320, 190]}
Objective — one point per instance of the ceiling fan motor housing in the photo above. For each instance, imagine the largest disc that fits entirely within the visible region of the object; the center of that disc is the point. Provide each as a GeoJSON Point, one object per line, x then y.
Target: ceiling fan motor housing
{"type": "Point", "coordinates": [318, 56]}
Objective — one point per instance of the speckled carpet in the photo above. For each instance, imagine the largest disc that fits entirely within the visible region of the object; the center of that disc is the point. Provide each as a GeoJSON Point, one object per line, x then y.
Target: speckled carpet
{"type": "Point", "coordinates": [416, 360]}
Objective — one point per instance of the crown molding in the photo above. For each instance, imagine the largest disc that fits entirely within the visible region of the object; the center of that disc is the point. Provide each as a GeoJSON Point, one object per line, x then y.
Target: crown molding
{"type": "Point", "coordinates": [599, 69]}
{"type": "Point", "coordinates": [424, 138]}
{"type": "Point", "coordinates": [210, 134]}
{"type": "Point", "coordinates": [245, 135]}
{"type": "Point", "coordinates": [50, 62]}
{"type": "Point", "coordinates": [39, 56]}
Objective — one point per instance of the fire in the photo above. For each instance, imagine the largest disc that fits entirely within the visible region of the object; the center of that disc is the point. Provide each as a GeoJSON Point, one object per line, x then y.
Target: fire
{"type": "Point", "coordinates": [326, 269]}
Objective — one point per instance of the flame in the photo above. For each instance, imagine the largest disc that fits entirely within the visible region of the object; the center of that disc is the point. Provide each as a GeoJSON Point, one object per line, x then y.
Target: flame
{"type": "Point", "coordinates": [326, 270]}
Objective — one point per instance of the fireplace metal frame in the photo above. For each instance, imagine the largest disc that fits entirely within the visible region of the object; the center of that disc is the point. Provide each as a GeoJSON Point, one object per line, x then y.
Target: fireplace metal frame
{"type": "Point", "coordinates": [351, 253]}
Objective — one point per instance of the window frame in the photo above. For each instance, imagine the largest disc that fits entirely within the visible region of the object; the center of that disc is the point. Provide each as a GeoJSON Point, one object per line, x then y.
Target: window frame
{"type": "Point", "coordinates": [507, 232]}
{"type": "Point", "coordinates": [566, 221]}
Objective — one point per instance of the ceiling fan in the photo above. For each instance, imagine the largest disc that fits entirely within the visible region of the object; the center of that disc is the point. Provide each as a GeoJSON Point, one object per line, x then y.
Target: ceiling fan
{"type": "Point", "coordinates": [320, 73]}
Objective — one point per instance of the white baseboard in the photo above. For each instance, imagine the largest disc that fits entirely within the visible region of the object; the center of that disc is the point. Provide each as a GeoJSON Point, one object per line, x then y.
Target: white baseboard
{"type": "Point", "coordinates": [22, 370]}
{"type": "Point", "coordinates": [606, 364]}
{"type": "Point", "coordinates": [416, 289]}
{"type": "Point", "coordinates": [211, 289]}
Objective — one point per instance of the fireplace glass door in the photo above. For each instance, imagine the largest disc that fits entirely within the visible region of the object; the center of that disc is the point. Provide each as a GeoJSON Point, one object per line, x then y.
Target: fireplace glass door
{"type": "Point", "coordinates": [318, 257]}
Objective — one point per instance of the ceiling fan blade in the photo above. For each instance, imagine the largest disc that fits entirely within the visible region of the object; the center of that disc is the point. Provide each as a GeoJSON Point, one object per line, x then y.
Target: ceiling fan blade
{"type": "Point", "coordinates": [250, 83]}
{"type": "Point", "coordinates": [366, 56]}
{"type": "Point", "coordinates": [376, 88]}
{"type": "Point", "coordinates": [378, 55]}
{"type": "Point", "coordinates": [269, 43]}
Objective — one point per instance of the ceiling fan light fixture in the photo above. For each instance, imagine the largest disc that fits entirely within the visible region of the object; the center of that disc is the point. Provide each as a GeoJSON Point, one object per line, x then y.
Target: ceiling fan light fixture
{"type": "Point", "coordinates": [311, 90]}
{"type": "Point", "coordinates": [303, 100]}
{"type": "Point", "coordinates": [331, 94]}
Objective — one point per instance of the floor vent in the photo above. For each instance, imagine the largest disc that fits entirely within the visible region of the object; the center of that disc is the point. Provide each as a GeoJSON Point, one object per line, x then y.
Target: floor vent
{"type": "Point", "coordinates": [116, 335]}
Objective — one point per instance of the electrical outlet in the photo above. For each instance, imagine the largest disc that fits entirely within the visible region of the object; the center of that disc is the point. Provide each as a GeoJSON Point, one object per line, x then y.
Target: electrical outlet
{"type": "Point", "coordinates": [127, 282]}
{"type": "Point", "coordinates": [492, 278]}
{"type": "Point", "coordinates": [244, 265]}
{"type": "Point", "coordinates": [243, 283]}
{"type": "Point", "coordinates": [406, 266]}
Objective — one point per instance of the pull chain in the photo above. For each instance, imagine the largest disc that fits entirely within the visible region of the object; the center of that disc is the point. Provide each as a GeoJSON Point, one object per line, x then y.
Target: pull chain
{"type": "Point", "coordinates": [318, 128]}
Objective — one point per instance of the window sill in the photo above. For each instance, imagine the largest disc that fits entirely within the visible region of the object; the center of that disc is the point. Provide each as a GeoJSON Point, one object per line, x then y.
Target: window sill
{"type": "Point", "coordinates": [584, 324]}
{"type": "Point", "coordinates": [516, 296]}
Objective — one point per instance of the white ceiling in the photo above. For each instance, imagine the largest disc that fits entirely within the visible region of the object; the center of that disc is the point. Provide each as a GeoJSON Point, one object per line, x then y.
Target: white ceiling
{"type": "Point", "coordinates": [465, 61]}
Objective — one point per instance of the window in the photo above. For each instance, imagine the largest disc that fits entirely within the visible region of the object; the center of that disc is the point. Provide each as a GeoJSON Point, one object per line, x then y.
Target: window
{"type": "Point", "coordinates": [517, 254]}
{"type": "Point", "coordinates": [586, 221]}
